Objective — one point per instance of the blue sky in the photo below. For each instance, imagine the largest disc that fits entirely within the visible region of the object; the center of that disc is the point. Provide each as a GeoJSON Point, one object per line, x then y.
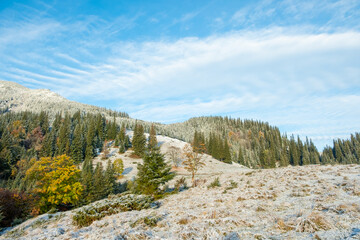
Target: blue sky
{"type": "Point", "coordinates": [294, 64]}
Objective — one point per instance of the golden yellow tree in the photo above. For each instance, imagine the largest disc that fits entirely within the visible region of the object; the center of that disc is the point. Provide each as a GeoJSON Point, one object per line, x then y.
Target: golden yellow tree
{"type": "Point", "coordinates": [193, 160]}
{"type": "Point", "coordinates": [57, 181]}
{"type": "Point", "coordinates": [118, 167]}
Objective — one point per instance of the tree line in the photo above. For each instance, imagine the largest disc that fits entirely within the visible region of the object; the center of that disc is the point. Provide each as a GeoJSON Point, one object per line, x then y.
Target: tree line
{"type": "Point", "coordinates": [256, 144]}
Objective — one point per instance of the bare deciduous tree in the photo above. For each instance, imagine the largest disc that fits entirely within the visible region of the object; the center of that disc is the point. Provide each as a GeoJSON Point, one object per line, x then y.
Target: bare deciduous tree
{"type": "Point", "coordinates": [193, 160]}
{"type": "Point", "coordinates": [174, 155]}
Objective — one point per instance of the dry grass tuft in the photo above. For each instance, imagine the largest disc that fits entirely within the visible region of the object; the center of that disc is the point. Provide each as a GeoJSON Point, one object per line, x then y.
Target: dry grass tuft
{"type": "Point", "coordinates": [240, 198]}
{"type": "Point", "coordinates": [312, 223]}
{"type": "Point", "coordinates": [283, 226]}
{"type": "Point", "coordinates": [183, 221]}
{"type": "Point", "coordinates": [260, 209]}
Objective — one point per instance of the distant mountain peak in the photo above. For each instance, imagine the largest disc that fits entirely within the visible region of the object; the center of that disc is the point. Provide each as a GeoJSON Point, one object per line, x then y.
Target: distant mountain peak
{"type": "Point", "coordinates": [16, 98]}
{"type": "Point", "coordinates": [9, 84]}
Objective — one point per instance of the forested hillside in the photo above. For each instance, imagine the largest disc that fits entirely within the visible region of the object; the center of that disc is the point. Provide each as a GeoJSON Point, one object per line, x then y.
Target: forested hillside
{"type": "Point", "coordinates": [256, 144]}
{"type": "Point", "coordinates": [252, 143]}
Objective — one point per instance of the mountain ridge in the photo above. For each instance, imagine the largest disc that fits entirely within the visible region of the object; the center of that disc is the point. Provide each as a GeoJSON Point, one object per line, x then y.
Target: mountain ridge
{"type": "Point", "coordinates": [15, 97]}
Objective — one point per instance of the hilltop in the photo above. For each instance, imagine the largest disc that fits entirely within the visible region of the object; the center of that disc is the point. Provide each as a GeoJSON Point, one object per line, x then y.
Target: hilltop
{"type": "Point", "coordinates": [17, 98]}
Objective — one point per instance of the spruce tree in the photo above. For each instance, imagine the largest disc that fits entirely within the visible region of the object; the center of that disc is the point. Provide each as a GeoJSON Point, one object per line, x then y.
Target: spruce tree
{"type": "Point", "coordinates": [196, 140]}
{"type": "Point", "coordinates": [77, 148]}
{"type": "Point", "coordinates": [294, 153]}
{"type": "Point", "coordinates": [265, 158]}
{"type": "Point", "coordinates": [241, 159]}
{"type": "Point", "coordinates": [87, 173]}
{"type": "Point", "coordinates": [339, 157]}
{"type": "Point", "coordinates": [48, 147]}
{"type": "Point", "coordinates": [139, 140]}
{"type": "Point", "coordinates": [152, 139]}
{"type": "Point", "coordinates": [99, 133]}
{"type": "Point", "coordinates": [314, 154]}
{"type": "Point", "coordinates": [122, 133]}
{"type": "Point", "coordinates": [227, 155]}
{"type": "Point", "coordinates": [90, 148]}
{"type": "Point", "coordinates": [305, 156]}
{"type": "Point", "coordinates": [122, 139]}
{"type": "Point", "coordinates": [99, 191]}
{"type": "Point", "coordinates": [109, 179]}
{"type": "Point", "coordinates": [63, 141]}
{"type": "Point", "coordinates": [57, 122]}
{"type": "Point", "coordinates": [152, 173]}
{"type": "Point", "coordinates": [44, 122]}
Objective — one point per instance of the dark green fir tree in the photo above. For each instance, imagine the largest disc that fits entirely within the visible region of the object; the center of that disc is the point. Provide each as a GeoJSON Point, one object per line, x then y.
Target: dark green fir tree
{"type": "Point", "coordinates": [77, 148]}
{"type": "Point", "coordinates": [152, 173]}
{"type": "Point", "coordinates": [99, 190]}
{"type": "Point", "coordinates": [109, 179]}
{"type": "Point", "coordinates": [139, 140]}
{"type": "Point", "coordinates": [152, 139]}
{"type": "Point", "coordinates": [227, 155]}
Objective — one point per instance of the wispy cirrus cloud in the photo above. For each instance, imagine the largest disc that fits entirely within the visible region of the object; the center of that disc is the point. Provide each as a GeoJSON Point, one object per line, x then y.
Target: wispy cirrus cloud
{"type": "Point", "coordinates": [302, 78]}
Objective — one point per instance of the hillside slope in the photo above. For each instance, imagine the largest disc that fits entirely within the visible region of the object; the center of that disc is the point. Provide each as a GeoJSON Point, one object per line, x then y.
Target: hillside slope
{"type": "Point", "coordinates": [308, 202]}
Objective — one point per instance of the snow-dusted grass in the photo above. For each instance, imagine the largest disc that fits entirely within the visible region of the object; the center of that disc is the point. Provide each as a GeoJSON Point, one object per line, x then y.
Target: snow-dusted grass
{"type": "Point", "coordinates": [286, 203]}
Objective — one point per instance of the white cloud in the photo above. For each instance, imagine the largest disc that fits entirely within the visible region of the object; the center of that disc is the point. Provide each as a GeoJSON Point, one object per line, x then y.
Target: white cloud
{"type": "Point", "coordinates": [284, 76]}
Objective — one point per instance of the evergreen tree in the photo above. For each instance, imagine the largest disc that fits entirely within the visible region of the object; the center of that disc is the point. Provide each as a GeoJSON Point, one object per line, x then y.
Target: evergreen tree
{"type": "Point", "coordinates": [152, 139]}
{"type": "Point", "coordinates": [109, 179]}
{"type": "Point", "coordinates": [122, 139]}
{"type": "Point", "coordinates": [63, 142]}
{"type": "Point", "coordinates": [57, 122]}
{"type": "Point", "coordinates": [122, 133]}
{"type": "Point", "coordinates": [227, 155]}
{"type": "Point", "coordinates": [294, 153]}
{"type": "Point", "coordinates": [77, 148]}
{"type": "Point", "coordinates": [337, 152]}
{"type": "Point", "coordinates": [99, 191]}
{"type": "Point", "coordinates": [305, 156]}
{"type": "Point", "coordinates": [87, 180]}
{"type": "Point", "coordinates": [327, 156]}
{"type": "Point", "coordinates": [139, 140]}
{"type": "Point", "coordinates": [127, 144]}
{"type": "Point", "coordinates": [265, 158]}
{"type": "Point", "coordinates": [99, 133]}
{"type": "Point", "coordinates": [241, 159]}
{"type": "Point", "coordinates": [44, 122]}
{"type": "Point", "coordinates": [284, 160]}
{"type": "Point", "coordinates": [48, 147]}
{"type": "Point", "coordinates": [90, 144]}
{"type": "Point", "coordinates": [152, 173]}
{"type": "Point", "coordinates": [210, 145]}
{"type": "Point", "coordinates": [111, 130]}
{"type": "Point", "coordinates": [196, 140]}
{"type": "Point", "coordinates": [314, 154]}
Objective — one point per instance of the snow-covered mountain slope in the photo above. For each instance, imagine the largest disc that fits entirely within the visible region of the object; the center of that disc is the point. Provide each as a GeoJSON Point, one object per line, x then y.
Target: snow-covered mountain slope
{"type": "Point", "coordinates": [15, 97]}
